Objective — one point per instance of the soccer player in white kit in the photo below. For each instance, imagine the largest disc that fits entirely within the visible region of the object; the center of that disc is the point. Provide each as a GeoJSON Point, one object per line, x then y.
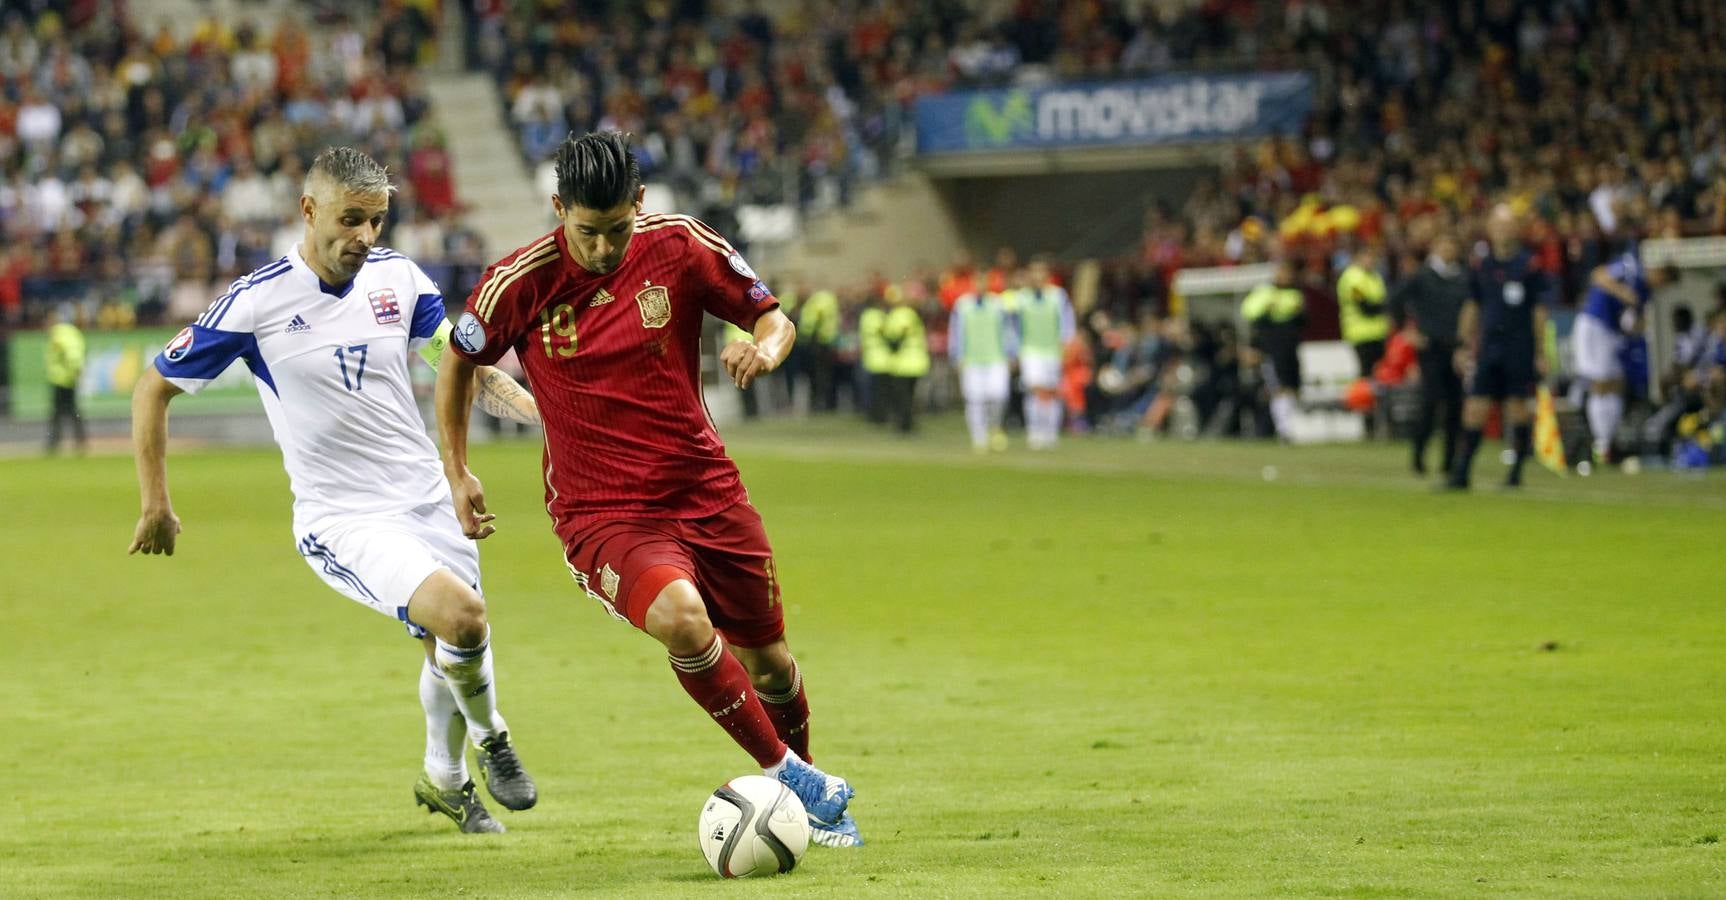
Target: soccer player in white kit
{"type": "Point", "coordinates": [980, 341]}
{"type": "Point", "coordinates": [1045, 326]}
{"type": "Point", "coordinates": [327, 331]}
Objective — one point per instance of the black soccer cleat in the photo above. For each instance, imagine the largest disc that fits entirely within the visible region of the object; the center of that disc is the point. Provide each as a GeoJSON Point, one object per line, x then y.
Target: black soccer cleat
{"type": "Point", "coordinates": [505, 779]}
{"type": "Point", "coordinates": [461, 805]}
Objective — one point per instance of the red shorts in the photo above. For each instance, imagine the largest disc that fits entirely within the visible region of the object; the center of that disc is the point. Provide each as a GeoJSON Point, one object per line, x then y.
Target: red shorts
{"type": "Point", "coordinates": [625, 563]}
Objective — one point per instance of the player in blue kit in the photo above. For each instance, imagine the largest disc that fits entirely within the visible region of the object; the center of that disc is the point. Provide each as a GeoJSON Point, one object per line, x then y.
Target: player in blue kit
{"type": "Point", "coordinates": [1502, 321]}
{"type": "Point", "coordinates": [1610, 313]}
{"type": "Point", "coordinates": [327, 332]}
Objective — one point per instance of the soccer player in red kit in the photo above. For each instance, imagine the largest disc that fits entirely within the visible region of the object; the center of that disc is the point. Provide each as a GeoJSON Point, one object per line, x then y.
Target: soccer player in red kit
{"type": "Point", "coordinates": [605, 314]}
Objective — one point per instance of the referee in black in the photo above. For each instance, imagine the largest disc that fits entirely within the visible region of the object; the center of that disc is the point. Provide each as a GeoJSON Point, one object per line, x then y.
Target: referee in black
{"type": "Point", "coordinates": [1508, 294]}
{"type": "Point", "coordinates": [1432, 300]}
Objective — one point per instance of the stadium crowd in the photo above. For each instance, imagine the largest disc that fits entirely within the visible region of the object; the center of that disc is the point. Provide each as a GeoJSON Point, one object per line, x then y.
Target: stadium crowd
{"type": "Point", "coordinates": [140, 171]}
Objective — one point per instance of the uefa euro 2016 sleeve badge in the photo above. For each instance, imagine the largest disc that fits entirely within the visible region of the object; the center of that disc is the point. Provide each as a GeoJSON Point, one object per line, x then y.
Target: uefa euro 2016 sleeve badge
{"type": "Point", "coordinates": [655, 304]}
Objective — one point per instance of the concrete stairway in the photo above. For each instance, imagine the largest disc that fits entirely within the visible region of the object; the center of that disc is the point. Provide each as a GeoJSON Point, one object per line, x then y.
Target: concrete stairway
{"type": "Point", "coordinates": [891, 227]}
{"type": "Point", "coordinates": [490, 176]}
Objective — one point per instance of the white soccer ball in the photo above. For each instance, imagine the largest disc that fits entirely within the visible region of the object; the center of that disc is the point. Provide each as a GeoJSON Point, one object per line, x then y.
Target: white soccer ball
{"type": "Point", "coordinates": [753, 825]}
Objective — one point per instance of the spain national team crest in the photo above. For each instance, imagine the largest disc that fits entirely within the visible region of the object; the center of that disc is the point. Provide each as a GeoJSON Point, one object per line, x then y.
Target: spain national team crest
{"type": "Point", "coordinates": [385, 308]}
{"type": "Point", "coordinates": [655, 303]}
{"type": "Point", "coordinates": [608, 581]}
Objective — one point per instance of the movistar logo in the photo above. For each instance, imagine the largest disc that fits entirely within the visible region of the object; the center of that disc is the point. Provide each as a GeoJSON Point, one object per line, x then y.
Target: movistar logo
{"type": "Point", "coordinates": [993, 123]}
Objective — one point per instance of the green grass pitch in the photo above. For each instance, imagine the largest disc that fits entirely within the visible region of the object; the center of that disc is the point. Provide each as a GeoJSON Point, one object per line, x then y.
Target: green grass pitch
{"type": "Point", "coordinates": [1113, 669]}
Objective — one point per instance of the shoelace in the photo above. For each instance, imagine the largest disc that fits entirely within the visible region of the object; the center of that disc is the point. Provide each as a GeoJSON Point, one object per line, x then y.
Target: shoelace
{"type": "Point", "coordinates": [504, 762]}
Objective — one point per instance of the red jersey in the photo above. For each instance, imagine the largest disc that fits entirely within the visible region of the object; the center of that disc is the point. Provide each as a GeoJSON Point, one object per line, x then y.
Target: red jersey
{"type": "Point", "coordinates": [614, 363]}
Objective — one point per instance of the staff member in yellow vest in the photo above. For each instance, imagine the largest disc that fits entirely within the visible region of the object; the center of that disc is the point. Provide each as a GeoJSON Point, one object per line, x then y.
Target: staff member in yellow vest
{"type": "Point", "coordinates": [874, 359]}
{"type": "Point", "coordinates": [818, 326]}
{"type": "Point", "coordinates": [1361, 298]}
{"type": "Point", "coordinates": [980, 340]}
{"type": "Point", "coordinates": [1045, 326]}
{"type": "Point", "coordinates": [65, 363]}
{"type": "Point", "coordinates": [908, 358]}
{"type": "Point", "coordinates": [1276, 313]}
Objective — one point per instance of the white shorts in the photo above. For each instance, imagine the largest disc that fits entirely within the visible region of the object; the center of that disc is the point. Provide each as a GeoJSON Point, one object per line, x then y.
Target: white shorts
{"type": "Point", "coordinates": [381, 560]}
{"type": "Point", "coordinates": [984, 382]}
{"type": "Point", "coordinates": [1597, 346]}
{"type": "Point", "coordinates": [1039, 373]}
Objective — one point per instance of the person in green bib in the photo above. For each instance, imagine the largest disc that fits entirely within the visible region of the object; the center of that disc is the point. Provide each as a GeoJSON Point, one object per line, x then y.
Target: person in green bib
{"type": "Point", "coordinates": [1364, 307]}
{"type": "Point", "coordinates": [1276, 313]}
{"type": "Point", "coordinates": [908, 358]}
{"type": "Point", "coordinates": [65, 362]}
{"type": "Point", "coordinates": [980, 340]}
{"type": "Point", "coordinates": [1045, 325]}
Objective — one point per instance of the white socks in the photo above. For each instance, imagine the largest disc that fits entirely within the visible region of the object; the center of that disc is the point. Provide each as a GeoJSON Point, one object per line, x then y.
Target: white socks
{"type": "Point", "coordinates": [446, 757]}
{"type": "Point", "coordinates": [1604, 413]}
{"type": "Point", "coordinates": [468, 672]}
{"type": "Point", "coordinates": [1042, 420]}
{"type": "Point", "coordinates": [977, 419]}
{"type": "Point", "coordinates": [1282, 415]}
{"type": "Point", "coordinates": [774, 770]}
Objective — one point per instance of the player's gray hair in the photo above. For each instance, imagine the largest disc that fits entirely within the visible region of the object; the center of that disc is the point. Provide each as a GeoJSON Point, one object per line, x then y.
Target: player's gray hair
{"type": "Point", "coordinates": [349, 169]}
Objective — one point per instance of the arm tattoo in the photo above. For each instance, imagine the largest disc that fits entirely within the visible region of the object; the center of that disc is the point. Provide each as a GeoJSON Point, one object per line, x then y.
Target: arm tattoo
{"type": "Point", "coordinates": [500, 396]}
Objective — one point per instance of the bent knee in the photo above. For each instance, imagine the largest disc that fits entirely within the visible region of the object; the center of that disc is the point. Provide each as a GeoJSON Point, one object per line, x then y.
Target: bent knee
{"type": "Point", "coordinates": [678, 619]}
{"type": "Point", "coordinates": [467, 625]}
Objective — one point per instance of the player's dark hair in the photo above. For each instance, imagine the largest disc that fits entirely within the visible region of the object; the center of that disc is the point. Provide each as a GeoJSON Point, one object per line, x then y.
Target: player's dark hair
{"type": "Point", "coordinates": [597, 170]}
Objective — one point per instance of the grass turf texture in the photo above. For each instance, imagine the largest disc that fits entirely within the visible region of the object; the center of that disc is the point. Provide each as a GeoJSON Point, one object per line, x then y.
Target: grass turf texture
{"type": "Point", "coordinates": [1111, 669]}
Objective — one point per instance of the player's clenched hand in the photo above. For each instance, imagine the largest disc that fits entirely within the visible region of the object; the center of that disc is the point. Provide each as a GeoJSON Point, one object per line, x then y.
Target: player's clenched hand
{"type": "Point", "coordinates": [744, 361]}
{"type": "Point", "coordinates": [470, 507]}
{"type": "Point", "coordinates": [155, 532]}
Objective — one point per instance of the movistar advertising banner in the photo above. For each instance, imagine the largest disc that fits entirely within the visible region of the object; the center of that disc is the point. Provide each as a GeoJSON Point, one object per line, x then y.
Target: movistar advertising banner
{"type": "Point", "coordinates": [1163, 110]}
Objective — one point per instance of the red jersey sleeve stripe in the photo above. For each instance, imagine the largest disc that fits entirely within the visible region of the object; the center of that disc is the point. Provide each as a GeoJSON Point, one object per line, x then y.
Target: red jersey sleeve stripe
{"type": "Point", "coordinates": [720, 249]}
{"type": "Point", "coordinates": [537, 254]}
{"type": "Point", "coordinates": [698, 227]}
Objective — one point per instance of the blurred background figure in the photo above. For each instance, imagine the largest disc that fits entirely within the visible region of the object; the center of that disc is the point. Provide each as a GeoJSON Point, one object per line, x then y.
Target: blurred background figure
{"type": "Point", "coordinates": [907, 347]}
{"type": "Point", "coordinates": [980, 340]}
{"type": "Point", "coordinates": [1276, 313]}
{"type": "Point", "coordinates": [818, 324]}
{"type": "Point", "coordinates": [1045, 327]}
{"type": "Point", "coordinates": [1360, 299]}
{"type": "Point", "coordinates": [1426, 307]}
{"type": "Point", "coordinates": [65, 363]}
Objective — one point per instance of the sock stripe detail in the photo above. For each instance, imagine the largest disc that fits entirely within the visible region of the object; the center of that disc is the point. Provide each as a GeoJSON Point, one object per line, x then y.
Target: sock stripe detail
{"type": "Point", "coordinates": [461, 653]}
{"type": "Point", "coordinates": [790, 693]}
{"type": "Point", "coordinates": [707, 659]}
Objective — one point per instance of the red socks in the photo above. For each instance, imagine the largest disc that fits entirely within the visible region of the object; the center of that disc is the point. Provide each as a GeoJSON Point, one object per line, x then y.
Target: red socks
{"type": "Point", "coordinates": [719, 683]}
{"type": "Point", "coordinates": [790, 714]}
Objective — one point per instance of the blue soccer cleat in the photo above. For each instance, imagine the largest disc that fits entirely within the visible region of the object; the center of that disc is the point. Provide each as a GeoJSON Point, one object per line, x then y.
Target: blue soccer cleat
{"type": "Point", "coordinates": [824, 796]}
{"type": "Point", "coordinates": [843, 834]}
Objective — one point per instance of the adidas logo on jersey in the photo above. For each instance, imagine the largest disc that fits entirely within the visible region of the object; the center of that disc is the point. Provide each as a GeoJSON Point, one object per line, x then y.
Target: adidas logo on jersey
{"type": "Point", "coordinates": [298, 324]}
{"type": "Point", "coordinates": [601, 298]}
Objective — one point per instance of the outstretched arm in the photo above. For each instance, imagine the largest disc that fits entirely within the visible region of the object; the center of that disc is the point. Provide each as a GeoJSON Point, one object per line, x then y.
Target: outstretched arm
{"type": "Point", "coordinates": [157, 525]}
{"type": "Point", "coordinates": [454, 401]}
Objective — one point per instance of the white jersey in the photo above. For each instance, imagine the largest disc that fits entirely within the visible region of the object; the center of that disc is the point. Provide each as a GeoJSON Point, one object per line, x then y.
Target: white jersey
{"type": "Point", "coordinates": [332, 368]}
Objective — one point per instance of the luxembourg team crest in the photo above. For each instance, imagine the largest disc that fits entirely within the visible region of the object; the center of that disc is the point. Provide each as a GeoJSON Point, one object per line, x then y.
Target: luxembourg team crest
{"type": "Point", "coordinates": [385, 308]}
{"type": "Point", "coordinates": [655, 303]}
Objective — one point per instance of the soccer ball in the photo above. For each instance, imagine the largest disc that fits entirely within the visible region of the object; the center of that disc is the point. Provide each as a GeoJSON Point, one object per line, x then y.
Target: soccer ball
{"type": "Point", "coordinates": [752, 825]}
